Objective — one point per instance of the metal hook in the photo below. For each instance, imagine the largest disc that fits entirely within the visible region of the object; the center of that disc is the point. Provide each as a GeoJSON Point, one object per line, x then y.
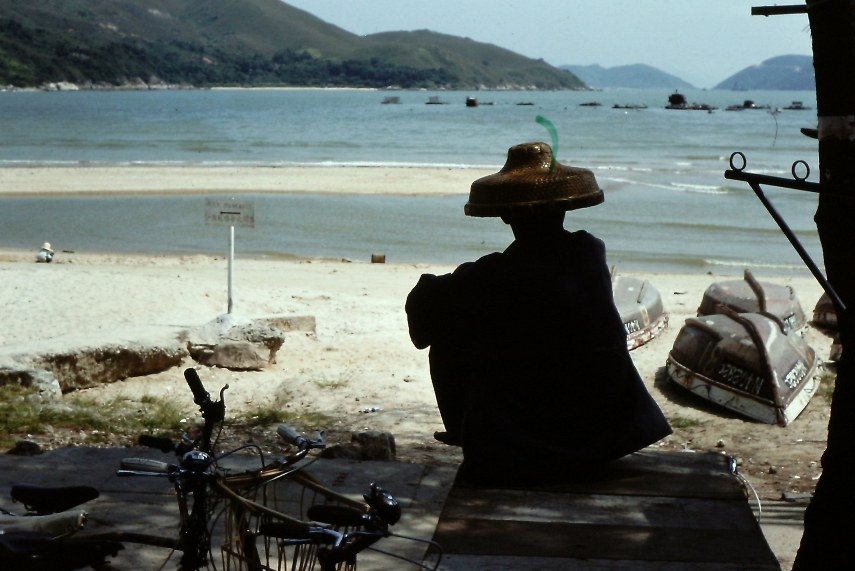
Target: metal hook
{"type": "Point", "coordinates": [797, 164]}
{"type": "Point", "coordinates": [741, 157]}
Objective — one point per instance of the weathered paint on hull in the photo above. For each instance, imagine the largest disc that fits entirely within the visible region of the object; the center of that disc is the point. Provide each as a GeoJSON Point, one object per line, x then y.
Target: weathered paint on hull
{"type": "Point", "coordinates": [745, 363]}
{"type": "Point", "coordinates": [740, 402]}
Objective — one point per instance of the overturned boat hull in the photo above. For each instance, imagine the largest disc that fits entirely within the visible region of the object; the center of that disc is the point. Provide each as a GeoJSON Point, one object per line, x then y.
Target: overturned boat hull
{"type": "Point", "coordinates": [824, 313]}
{"type": "Point", "coordinates": [640, 308]}
{"type": "Point", "coordinates": [751, 296]}
{"type": "Point", "coordinates": [745, 363]}
{"type": "Point", "coordinates": [825, 319]}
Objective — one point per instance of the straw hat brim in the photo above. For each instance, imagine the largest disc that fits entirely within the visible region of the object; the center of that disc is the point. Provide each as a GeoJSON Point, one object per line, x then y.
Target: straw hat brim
{"type": "Point", "coordinates": [532, 182]}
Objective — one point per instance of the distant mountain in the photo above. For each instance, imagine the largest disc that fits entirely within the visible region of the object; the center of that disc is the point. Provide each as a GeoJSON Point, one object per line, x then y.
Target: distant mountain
{"type": "Point", "coordinates": [103, 43]}
{"type": "Point", "coordinates": [790, 72]}
{"type": "Point", "coordinates": [638, 76]}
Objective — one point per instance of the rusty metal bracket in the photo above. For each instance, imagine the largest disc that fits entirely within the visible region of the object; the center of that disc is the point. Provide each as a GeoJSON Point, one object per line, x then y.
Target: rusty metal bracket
{"type": "Point", "coordinates": [800, 171]}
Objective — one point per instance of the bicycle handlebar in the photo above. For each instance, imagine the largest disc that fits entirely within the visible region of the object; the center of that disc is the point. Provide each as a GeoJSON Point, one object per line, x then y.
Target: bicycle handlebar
{"type": "Point", "coordinates": [200, 395]}
{"type": "Point", "coordinates": [145, 467]}
{"type": "Point", "coordinates": [370, 525]}
{"type": "Point", "coordinates": [292, 436]}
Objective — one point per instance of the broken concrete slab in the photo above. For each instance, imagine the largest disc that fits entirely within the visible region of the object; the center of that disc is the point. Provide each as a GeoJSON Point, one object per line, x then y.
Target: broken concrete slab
{"type": "Point", "coordinates": [237, 343]}
{"type": "Point", "coordinates": [58, 366]}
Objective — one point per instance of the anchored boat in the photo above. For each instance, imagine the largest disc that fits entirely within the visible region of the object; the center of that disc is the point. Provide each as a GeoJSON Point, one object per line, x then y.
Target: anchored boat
{"type": "Point", "coordinates": [640, 308]}
{"type": "Point", "coordinates": [746, 363]}
{"type": "Point", "coordinates": [751, 296]}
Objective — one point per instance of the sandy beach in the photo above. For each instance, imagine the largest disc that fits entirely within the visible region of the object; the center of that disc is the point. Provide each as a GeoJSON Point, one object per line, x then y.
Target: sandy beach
{"type": "Point", "coordinates": [32, 181]}
{"type": "Point", "coordinates": [359, 368]}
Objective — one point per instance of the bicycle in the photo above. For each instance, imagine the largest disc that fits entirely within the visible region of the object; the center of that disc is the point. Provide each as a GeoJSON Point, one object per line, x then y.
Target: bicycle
{"type": "Point", "coordinates": [272, 518]}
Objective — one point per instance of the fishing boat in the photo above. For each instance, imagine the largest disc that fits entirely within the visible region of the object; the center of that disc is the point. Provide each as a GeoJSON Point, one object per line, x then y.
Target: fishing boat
{"type": "Point", "coordinates": [473, 102]}
{"type": "Point", "coordinates": [746, 363]}
{"type": "Point", "coordinates": [640, 307]}
{"type": "Point", "coordinates": [747, 104]}
{"type": "Point", "coordinates": [678, 101]}
{"type": "Point", "coordinates": [751, 296]}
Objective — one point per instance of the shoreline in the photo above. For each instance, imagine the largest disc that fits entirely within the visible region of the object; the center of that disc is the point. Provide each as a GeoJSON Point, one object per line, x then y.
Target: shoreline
{"type": "Point", "coordinates": [359, 368]}
{"type": "Point", "coordinates": [195, 179]}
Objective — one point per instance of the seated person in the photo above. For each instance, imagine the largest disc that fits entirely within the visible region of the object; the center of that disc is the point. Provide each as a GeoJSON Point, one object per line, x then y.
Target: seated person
{"type": "Point", "coordinates": [528, 353]}
{"type": "Point", "coordinates": [45, 255]}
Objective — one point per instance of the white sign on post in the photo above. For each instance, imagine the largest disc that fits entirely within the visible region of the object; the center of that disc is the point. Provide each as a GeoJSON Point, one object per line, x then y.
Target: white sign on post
{"type": "Point", "coordinates": [230, 213]}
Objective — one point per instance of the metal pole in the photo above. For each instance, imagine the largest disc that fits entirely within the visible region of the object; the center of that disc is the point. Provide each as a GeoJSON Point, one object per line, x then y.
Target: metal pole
{"type": "Point", "coordinates": [778, 10]}
{"type": "Point", "coordinates": [814, 269]}
{"type": "Point", "coordinates": [231, 261]}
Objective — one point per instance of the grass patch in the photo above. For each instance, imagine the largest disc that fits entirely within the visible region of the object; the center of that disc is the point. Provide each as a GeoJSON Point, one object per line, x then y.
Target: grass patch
{"type": "Point", "coordinates": [264, 415]}
{"type": "Point", "coordinates": [24, 413]}
{"type": "Point", "coordinates": [337, 383]}
{"type": "Point", "coordinates": [678, 422]}
{"type": "Point", "coordinates": [826, 385]}
{"type": "Point", "coordinates": [267, 415]}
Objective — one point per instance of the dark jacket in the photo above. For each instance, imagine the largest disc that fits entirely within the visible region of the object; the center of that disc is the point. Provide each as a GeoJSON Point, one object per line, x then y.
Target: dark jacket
{"type": "Point", "coordinates": [529, 361]}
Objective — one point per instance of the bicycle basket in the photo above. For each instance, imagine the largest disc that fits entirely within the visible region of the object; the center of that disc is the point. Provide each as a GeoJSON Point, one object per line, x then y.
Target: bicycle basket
{"type": "Point", "coordinates": [266, 521]}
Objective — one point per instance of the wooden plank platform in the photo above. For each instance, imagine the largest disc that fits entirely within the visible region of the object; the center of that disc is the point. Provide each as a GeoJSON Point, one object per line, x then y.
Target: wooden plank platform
{"type": "Point", "coordinates": [651, 510]}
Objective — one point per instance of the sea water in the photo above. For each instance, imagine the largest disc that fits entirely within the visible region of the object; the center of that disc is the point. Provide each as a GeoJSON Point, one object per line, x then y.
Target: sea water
{"type": "Point", "coordinates": [668, 206]}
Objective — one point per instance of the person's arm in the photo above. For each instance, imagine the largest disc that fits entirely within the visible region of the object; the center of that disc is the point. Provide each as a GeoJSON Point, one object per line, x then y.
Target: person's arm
{"type": "Point", "coordinates": [426, 305]}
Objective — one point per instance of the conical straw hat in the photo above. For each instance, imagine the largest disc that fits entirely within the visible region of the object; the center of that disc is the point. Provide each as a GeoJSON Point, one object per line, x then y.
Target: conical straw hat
{"type": "Point", "coordinates": [531, 182]}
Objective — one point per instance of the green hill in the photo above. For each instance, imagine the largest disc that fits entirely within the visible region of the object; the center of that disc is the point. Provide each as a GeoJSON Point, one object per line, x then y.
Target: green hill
{"type": "Point", "coordinates": [206, 43]}
{"type": "Point", "coordinates": [789, 72]}
{"type": "Point", "coordinates": [637, 76]}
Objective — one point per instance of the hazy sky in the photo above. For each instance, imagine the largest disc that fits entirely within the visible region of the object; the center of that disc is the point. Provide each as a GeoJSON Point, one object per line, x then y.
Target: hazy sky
{"type": "Point", "coordinates": [700, 41]}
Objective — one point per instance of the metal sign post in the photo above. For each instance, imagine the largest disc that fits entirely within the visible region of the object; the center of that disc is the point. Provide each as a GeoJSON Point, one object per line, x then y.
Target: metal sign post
{"type": "Point", "coordinates": [230, 213]}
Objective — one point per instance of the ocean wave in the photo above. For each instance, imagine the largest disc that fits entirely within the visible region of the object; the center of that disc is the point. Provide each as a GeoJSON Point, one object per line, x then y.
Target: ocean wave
{"type": "Point", "coordinates": [715, 262]}
{"type": "Point", "coordinates": [699, 188]}
{"type": "Point", "coordinates": [688, 263]}
{"type": "Point", "coordinates": [675, 186]}
{"type": "Point", "coordinates": [623, 168]}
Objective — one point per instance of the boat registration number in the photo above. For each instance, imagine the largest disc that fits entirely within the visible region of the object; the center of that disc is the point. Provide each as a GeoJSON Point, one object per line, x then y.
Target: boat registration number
{"type": "Point", "coordinates": [739, 378]}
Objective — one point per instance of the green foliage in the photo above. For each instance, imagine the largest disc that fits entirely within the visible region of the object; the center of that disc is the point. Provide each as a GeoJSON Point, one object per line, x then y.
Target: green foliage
{"type": "Point", "coordinates": [274, 414]}
{"type": "Point", "coordinates": [241, 42]}
{"type": "Point", "coordinates": [23, 412]}
{"type": "Point", "coordinates": [677, 422]}
{"type": "Point", "coordinates": [264, 415]}
{"type": "Point", "coordinates": [827, 382]}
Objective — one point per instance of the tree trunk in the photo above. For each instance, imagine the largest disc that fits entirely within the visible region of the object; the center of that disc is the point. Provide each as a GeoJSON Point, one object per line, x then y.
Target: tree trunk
{"type": "Point", "coordinates": [830, 517]}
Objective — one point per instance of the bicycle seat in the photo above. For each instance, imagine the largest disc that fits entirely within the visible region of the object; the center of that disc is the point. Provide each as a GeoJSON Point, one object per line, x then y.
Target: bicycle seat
{"type": "Point", "coordinates": [47, 500]}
